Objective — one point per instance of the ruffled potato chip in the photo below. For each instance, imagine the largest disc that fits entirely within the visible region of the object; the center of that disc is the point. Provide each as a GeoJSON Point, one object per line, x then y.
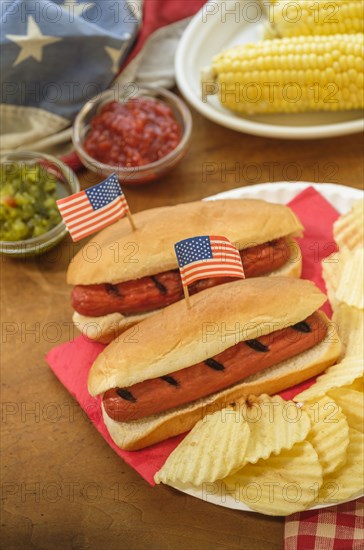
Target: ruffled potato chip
{"type": "Point", "coordinates": [227, 440]}
{"type": "Point", "coordinates": [349, 228]}
{"type": "Point", "coordinates": [329, 434]}
{"type": "Point", "coordinates": [349, 322]}
{"type": "Point", "coordinates": [331, 270]}
{"type": "Point", "coordinates": [350, 289]}
{"type": "Point", "coordinates": [282, 484]}
{"type": "Point", "coordinates": [357, 385]}
{"type": "Point", "coordinates": [342, 374]}
{"type": "Point", "coordinates": [352, 405]}
{"type": "Point", "coordinates": [213, 449]}
{"type": "Point", "coordinates": [275, 424]}
{"type": "Point", "coordinates": [347, 482]}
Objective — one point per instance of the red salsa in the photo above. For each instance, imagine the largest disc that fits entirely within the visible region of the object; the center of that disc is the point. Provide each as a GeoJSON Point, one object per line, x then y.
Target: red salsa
{"type": "Point", "coordinates": [134, 133]}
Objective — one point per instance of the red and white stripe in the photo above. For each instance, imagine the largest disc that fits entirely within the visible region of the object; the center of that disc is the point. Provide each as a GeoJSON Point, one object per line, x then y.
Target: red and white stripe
{"type": "Point", "coordinates": [82, 220]}
{"type": "Point", "coordinates": [226, 262]}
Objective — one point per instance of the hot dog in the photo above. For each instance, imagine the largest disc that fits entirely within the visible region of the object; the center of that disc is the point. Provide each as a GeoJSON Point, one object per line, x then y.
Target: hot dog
{"type": "Point", "coordinates": [214, 374]}
{"type": "Point", "coordinates": [151, 293]}
{"type": "Point", "coordinates": [122, 276]}
{"type": "Point", "coordinates": [257, 335]}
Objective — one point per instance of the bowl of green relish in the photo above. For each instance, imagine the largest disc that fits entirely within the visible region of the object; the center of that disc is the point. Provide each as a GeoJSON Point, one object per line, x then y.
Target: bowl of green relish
{"type": "Point", "coordinates": [30, 185]}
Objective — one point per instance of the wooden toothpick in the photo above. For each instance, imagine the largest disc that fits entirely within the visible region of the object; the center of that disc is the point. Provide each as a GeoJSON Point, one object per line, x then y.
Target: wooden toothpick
{"type": "Point", "coordinates": [130, 218]}
{"type": "Point", "coordinates": [187, 297]}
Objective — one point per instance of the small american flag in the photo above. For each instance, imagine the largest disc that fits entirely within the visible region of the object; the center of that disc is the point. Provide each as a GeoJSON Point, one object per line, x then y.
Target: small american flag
{"type": "Point", "coordinates": [93, 209]}
{"type": "Point", "coordinates": [204, 257]}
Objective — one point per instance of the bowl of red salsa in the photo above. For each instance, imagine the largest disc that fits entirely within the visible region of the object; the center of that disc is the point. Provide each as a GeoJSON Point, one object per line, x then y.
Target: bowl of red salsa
{"type": "Point", "coordinates": [140, 136]}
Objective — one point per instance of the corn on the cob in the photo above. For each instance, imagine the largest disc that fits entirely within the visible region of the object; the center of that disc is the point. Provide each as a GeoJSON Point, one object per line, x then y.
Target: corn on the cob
{"type": "Point", "coordinates": [307, 17]}
{"type": "Point", "coordinates": [290, 75]}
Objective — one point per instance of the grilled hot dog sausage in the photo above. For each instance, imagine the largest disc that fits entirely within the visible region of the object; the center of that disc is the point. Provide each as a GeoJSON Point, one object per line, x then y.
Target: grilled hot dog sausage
{"type": "Point", "coordinates": [225, 369]}
{"type": "Point", "coordinates": [150, 293]}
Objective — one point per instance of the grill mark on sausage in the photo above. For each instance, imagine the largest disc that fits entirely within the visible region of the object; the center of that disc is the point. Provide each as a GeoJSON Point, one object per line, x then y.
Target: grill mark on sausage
{"type": "Point", "coordinates": [170, 380]}
{"type": "Point", "coordinates": [215, 365]}
{"type": "Point", "coordinates": [126, 394]}
{"type": "Point", "coordinates": [159, 285]}
{"type": "Point", "coordinates": [302, 326]}
{"type": "Point", "coordinates": [257, 346]}
{"type": "Point", "coordinates": [113, 290]}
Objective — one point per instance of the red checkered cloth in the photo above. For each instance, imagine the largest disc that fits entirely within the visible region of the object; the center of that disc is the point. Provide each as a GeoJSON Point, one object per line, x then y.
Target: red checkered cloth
{"type": "Point", "coordinates": [334, 528]}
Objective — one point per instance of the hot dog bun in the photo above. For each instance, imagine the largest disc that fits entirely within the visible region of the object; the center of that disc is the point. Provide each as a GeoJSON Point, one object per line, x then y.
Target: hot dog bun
{"type": "Point", "coordinates": [118, 254]}
{"type": "Point", "coordinates": [178, 337]}
{"type": "Point", "coordinates": [106, 328]}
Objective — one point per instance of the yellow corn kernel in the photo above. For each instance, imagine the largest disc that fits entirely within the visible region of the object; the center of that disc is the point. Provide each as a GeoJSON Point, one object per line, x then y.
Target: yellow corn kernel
{"type": "Point", "coordinates": [288, 80]}
{"type": "Point", "coordinates": [319, 17]}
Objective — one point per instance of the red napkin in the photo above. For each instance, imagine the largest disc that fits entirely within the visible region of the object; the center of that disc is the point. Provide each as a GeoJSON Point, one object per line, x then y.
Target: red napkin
{"type": "Point", "coordinates": [335, 528]}
{"type": "Point", "coordinates": [317, 217]}
{"type": "Point", "coordinates": [71, 362]}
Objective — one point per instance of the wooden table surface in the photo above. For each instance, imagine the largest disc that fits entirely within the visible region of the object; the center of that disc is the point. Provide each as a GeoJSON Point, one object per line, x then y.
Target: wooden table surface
{"type": "Point", "coordinates": [62, 485]}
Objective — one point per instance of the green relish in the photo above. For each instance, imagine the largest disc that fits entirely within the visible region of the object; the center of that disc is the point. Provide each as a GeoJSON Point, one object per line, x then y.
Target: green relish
{"type": "Point", "coordinates": [28, 194]}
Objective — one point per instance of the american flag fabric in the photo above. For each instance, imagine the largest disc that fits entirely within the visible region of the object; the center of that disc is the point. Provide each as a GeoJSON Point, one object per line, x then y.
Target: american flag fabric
{"type": "Point", "coordinates": [93, 209]}
{"type": "Point", "coordinates": [57, 54]}
{"type": "Point", "coordinates": [334, 528]}
{"type": "Point", "coordinates": [208, 256]}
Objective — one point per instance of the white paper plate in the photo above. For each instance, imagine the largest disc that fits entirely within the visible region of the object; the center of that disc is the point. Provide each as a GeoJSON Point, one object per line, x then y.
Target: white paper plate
{"type": "Point", "coordinates": [341, 198]}
{"type": "Point", "coordinates": [220, 25]}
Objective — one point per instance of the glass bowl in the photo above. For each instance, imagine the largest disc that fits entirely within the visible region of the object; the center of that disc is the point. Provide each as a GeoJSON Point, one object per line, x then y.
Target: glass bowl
{"type": "Point", "coordinates": [137, 174]}
{"type": "Point", "coordinates": [67, 184]}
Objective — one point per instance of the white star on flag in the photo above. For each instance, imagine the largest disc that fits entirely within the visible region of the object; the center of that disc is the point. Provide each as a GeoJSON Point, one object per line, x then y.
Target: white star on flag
{"type": "Point", "coordinates": [32, 43]}
{"type": "Point", "coordinates": [115, 54]}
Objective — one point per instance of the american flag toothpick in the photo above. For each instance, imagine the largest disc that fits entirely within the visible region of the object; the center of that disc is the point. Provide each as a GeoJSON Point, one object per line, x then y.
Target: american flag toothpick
{"type": "Point", "coordinates": [207, 256]}
{"type": "Point", "coordinates": [94, 208]}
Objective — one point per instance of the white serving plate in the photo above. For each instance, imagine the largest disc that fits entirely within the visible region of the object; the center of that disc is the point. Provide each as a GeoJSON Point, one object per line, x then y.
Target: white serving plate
{"type": "Point", "coordinates": [220, 25]}
{"type": "Point", "coordinates": [341, 198]}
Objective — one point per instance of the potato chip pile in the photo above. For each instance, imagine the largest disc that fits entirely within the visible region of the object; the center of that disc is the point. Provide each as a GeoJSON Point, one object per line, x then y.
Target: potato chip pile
{"type": "Point", "coordinates": [276, 456]}
{"type": "Point", "coordinates": [280, 457]}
